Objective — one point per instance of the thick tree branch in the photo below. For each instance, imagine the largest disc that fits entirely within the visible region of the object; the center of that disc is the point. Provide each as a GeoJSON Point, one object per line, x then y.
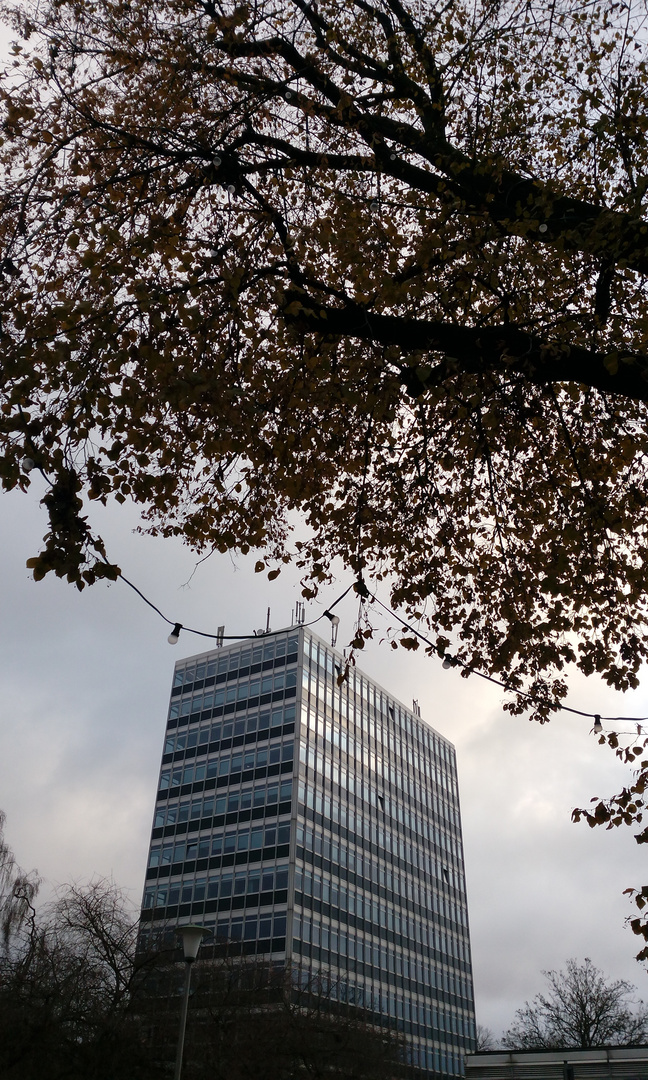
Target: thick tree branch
{"type": "Point", "coordinates": [479, 350]}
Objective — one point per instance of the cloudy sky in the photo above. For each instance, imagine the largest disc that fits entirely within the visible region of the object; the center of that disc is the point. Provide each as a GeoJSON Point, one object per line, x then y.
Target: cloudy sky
{"type": "Point", "coordinates": [85, 680]}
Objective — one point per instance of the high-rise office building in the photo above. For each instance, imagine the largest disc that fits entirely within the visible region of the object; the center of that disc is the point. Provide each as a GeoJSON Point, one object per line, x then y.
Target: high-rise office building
{"type": "Point", "coordinates": [318, 824]}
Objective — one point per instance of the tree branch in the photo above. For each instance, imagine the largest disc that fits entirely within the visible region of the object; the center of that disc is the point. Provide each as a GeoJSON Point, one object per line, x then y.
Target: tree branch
{"type": "Point", "coordinates": [503, 349]}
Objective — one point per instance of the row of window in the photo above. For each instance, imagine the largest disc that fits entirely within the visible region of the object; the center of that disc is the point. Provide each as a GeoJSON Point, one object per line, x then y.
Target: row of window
{"type": "Point", "coordinates": [251, 688]}
{"type": "Point", "coordinates": [242, 883]}
{"type": "Point", "coordinates": [352, 901]}
{"type": "Point", "coordinates": [373, 874]}
{"type": "Point", "coordinates": [241, 839]}
{"type": "Point", "coordinates": [226, 764]}
{"type": "Point", "coordinates": [251, 927]}
{"type": "Point", "coordinates": [347, 944]}
{"type": "Point", "coordinates": [438, 1062]}
{"type": "Point", "coordinates": [417, 855]}
{"type": "Point", "coordinates": [381, 803]}
{"type": "Point", "coordinates": [405, 888]}
{"type": "Point", "coordinates": [228, 729]}
{"type": "Point", "coordinates": [431, 788]}
{"type": "Point", "coordinates": [386, 1003]}
{"type": "Point", "coordinates": [264, 927]}
{"type": "Point", "coordinates": [390, 717]}
{"type": "Point", "coordinates": [232, 659]}
{"type": "Point", "coordinates": [211, 805]}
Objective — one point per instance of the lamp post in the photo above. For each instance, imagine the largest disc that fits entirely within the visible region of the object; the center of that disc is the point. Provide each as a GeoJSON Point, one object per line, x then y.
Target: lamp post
{"type": "Point", "coordinates": [191, 938]}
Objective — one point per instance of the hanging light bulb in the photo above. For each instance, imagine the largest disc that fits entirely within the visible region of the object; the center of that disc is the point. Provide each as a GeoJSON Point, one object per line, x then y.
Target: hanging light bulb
{"type": "Point", "coordinates": [448, 661]}
{"type": "Point", "coordinates": [175, 634]}
{"type": "Point", "coordinates": [335, 622]}
{"type": "Point", "coordinates": [28, 464]}
{"type": "Point", "coordinates": [598, 726]}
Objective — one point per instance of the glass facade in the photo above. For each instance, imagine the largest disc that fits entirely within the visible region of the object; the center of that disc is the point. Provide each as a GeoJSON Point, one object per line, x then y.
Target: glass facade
{"type": "Point", "coordinates": [318, 824]}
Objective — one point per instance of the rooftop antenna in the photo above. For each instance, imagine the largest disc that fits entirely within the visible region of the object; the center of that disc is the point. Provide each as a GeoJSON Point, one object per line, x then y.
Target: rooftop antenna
{"type": "Point", "coordinates": [220, 635]}
{"type": "Point", "coordinates": [267, 629]}
{"type": "Point", "coordinates": [416, 708]}
{"type": "Point", "coordinates": [300, 612]}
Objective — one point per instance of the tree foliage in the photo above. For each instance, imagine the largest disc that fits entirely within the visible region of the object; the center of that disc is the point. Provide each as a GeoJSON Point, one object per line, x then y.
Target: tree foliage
{"type": "Point", "coordinates": [628, 807]}
{"type": "Point", "coordinates": [377, 264]}
{"type": "Point", "coordinates": [581, 1009]}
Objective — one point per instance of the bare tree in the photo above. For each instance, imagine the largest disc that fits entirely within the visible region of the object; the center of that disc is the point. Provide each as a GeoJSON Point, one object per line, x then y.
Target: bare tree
{"type": "Point", "coordinates": [581, 1009]}
{"type": "Point", "coordinates": [250, 1018]}
{"type": "Point", "coordinates": [485, 1039]}
{"type": "Point", "coordinates": [79, 1001]}
{"type": "Point", "coordinates": [66, 1008]}
{"type": "Point", "coordinates": [17, 892]}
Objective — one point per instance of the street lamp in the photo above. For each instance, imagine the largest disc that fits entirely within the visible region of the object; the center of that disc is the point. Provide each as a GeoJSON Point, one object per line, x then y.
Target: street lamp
{"type": "Point", "coordinates": [191, 938]}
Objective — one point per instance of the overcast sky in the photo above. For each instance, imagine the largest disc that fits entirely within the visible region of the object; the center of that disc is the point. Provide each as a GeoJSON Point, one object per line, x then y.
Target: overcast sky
{"type": "Point", "coordinates": [85, 683]}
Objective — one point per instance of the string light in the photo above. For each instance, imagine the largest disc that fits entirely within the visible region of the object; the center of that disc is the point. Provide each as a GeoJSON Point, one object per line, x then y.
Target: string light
{"type": "Point", "coordinates": [220, 636]}
{"type": "Point", "coordinates": [448, 660]}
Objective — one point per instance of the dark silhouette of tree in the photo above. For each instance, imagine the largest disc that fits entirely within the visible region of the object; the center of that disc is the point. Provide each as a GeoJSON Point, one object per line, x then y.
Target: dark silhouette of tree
{"type": "Point", "coordinates": [17, 892]}
{"type": "Point", "coordinates": [581, 1009]}
{"type": "Point", "coordinates": [380, 265]}
{"type": "Point", "coordinates": [485, 1039]}
{"type": "Point", "coordinates": [66, 1007]}
{"type": "Point", "coordinates": [78, 1001]}
{"type": "Point", "coordinates": [252, 1018]}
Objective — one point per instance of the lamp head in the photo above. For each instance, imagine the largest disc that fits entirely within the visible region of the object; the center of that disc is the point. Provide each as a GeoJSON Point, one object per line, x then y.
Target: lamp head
{"type": "Point", "coordinates": [191, 938]}
{"type": "Point", "coordinates": [175, 634]}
